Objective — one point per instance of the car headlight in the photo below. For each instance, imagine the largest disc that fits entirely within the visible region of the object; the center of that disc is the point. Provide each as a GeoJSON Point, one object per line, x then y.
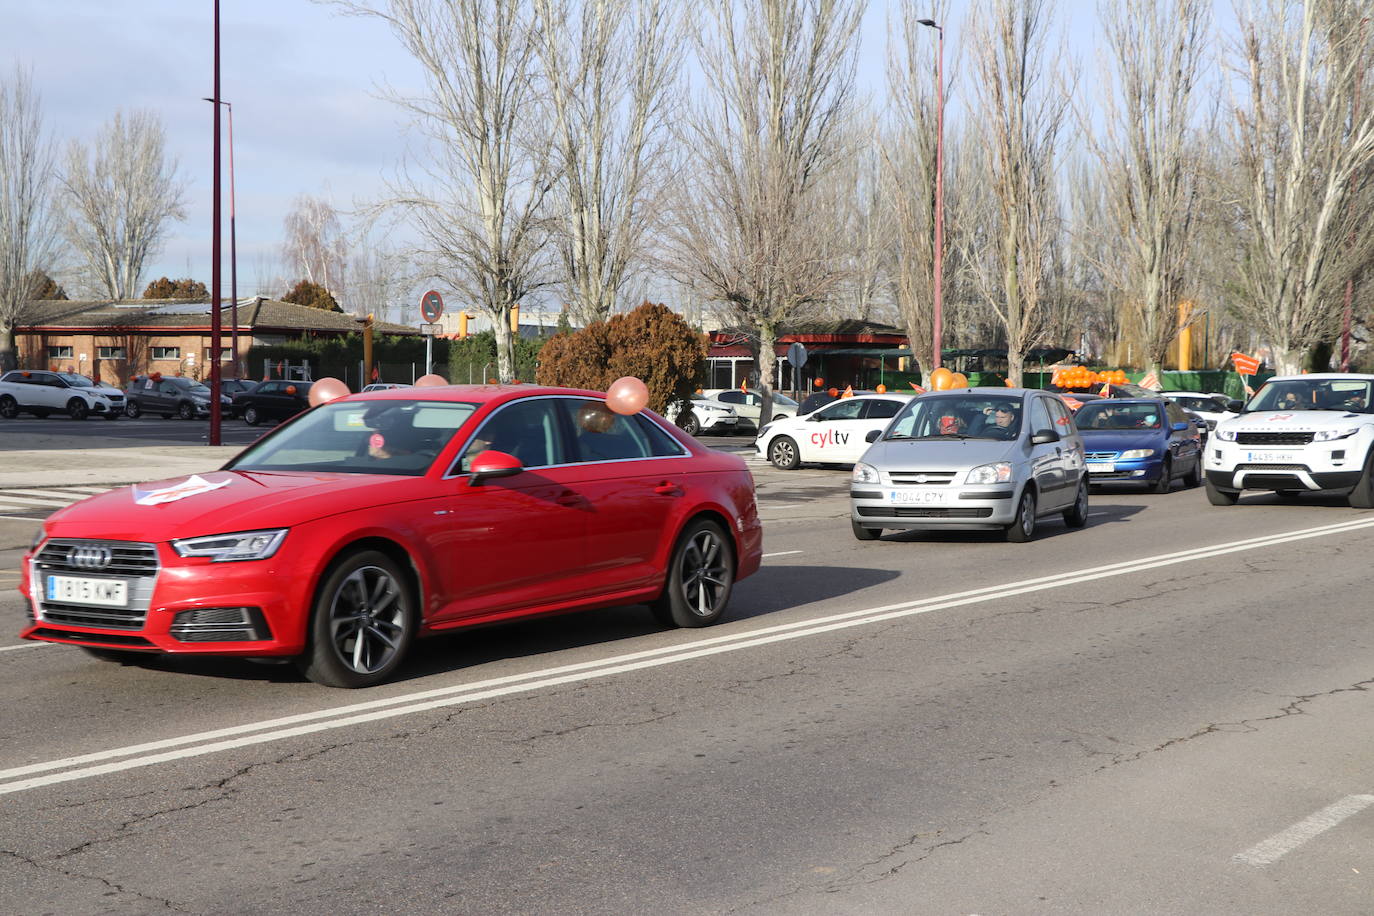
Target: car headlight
{"type": "Point", "coordinates": [866, 473]}
{"type": "Point", "coordinates": [1136, 453]}
{"type": "Point", "coordinates": [1000, 472]}
{"type": "Point", "coordinates": [1330, 435]}
{"type": "Point", "coordinates": [1225, 435]}
{"type": "Point", "coordinates": [224, 548]}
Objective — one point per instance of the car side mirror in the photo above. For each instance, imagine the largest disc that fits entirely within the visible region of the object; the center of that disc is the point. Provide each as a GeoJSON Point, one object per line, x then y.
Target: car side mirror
{"type": "Point", "coordinates": [1044, 437]}
{"type": "Point", "coordinates": [490, 464]}
{"type": "Point", "coordinates": [1179, 427]}
{"type": "Point", "coordinates": [1235, 405]}
{"type": "Point", "coordinates": [873, 435]}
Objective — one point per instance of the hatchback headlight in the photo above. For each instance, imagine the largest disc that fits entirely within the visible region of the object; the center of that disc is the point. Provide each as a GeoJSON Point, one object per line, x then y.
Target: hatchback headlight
{"type": "Point", "coordinates": [866, 473]}
{"type": "Point", "coordinates": [223, 548]}
{"type": "Point", "coordinates": [1225, 435]}
{"type": "Point", "coordinates": [1132, 453]}
{"type": "Point", "coordinates": [1330, 435]}
{"type": "Point", "coordinates": [999, 472]}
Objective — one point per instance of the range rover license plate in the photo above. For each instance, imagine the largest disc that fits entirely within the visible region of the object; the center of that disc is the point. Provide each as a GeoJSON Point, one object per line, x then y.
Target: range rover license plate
{"type": "Point", "coordinates": [1271, 457]}
{"type": "Point", "coordinates": [74, 590]}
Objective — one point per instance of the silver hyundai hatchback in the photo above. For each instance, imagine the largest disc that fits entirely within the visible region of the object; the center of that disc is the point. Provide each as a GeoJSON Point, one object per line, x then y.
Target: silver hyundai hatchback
{"type": "Point", "coordinates": [999, 458]}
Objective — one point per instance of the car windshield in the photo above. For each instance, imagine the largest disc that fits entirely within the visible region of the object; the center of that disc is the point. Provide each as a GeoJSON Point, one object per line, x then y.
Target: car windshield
{"type": "Point", "coordinates": [373, 437]}
{"type": "Point", "coordinates": [958, 417]}
{"type": "Point", "coordinates": [783, 399]}
{"type": "Point", "coordinates": [1345, 395]}
{"type": "Point", "coordinates": [1114, 415]}
{"type": "Point", "coordinates": [76, 381]}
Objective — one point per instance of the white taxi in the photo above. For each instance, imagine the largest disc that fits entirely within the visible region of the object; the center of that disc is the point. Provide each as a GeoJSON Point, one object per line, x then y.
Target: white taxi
{"type": "Point", "coordinates": [835, 434]}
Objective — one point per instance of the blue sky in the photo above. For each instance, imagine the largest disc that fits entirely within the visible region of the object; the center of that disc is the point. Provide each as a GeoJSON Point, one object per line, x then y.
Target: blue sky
{"type": "Point", "coordinates": [303, 81]}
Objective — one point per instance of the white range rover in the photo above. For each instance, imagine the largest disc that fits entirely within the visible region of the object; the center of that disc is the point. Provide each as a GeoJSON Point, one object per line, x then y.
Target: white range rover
{"type": "Point", "coordinates": [1298, 433]}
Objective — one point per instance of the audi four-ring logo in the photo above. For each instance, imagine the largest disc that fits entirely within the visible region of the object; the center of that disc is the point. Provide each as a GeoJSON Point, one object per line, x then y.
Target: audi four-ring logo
{"type": "Point", "coordinates": [89, 557]}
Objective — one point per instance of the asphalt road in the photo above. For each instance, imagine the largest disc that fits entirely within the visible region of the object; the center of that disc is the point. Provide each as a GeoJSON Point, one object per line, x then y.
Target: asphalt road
{"type": "Point", "coordinates": [1165, 712]}
{"type": "Point", "coordinates": [124, 432]}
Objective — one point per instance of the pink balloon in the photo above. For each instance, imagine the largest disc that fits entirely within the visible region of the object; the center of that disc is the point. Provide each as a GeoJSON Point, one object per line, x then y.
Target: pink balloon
{"type": "Point", "coordinates": [627, 395]}
{"type": "Point", "coordinates": [326, 390]}
{"type": "Point", "coordinates": [427, 381]}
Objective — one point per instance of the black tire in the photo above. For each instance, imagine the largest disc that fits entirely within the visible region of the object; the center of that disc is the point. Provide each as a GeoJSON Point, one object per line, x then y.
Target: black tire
{"type": "Point", "coordinates": [186, 410]}
{"type": "Point", "coordinates": [1219, 497]}
{"type": "Point", "coordinates": [689, 424]}
{"type": "Point", "coordinates": [701, 576]}
{"type": "Point", "coordinates": [78, 409]}
{"type": "Point", "coordinates": [1362, 496]}
{"type": "Point", "coordinates": [251, 416]}
{"type": "Point", "coordinates": [784, 454]}
{"type": "Point", "coordinates": [1022, 528]}
{"type": "Point", "coordinates": [132, 410]}
{"type": "Point", "coordinates": [1076, 516]}
{"type": "Point", "coordinates": [9, 407]}
{"type": "Point", "coordinates": [865, 534]}
{"type": "Point", "coordinates": [362, 624]}
{"type": "Point", "coordinates": [1193, 478]}
{"type": "Point", "coordinates": [1166, 478]}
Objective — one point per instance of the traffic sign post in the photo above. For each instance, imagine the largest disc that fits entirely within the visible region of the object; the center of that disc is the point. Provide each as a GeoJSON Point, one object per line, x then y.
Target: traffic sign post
{"type": "Point", "coordinates": [796, 355]}
{"type": "Point", "coordinates": [431, 310]}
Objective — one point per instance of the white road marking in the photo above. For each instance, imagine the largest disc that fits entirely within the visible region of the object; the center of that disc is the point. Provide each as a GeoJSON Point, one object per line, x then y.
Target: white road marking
{"type": "Point", "coordinates": [77, 492]}
{"type": "Point", "coordinates": [22, 778]}
{"type": "Point", "coordinates": [15, 501]}
{"type": "Point", "coordinates": [782, 553]}
{"type": "Point", "coordinates": [1284, 842]}
{"type": "Point", "coordinates": [17, 518]}
{"type": "Point", "coordinates": [27, 645]}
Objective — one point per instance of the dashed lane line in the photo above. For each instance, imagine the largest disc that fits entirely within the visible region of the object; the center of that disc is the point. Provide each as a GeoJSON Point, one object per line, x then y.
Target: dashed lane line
{"type": "Point", "coordinates": [1285, 841]}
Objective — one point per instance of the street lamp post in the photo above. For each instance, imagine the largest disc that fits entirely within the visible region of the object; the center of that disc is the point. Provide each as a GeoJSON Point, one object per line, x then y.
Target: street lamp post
{"type": "Point", "coordinates": [233, 250]}
{"type": "Point", "coordinates": [215, 256]}
{"type": "Point", "coordinates": [937, 320]}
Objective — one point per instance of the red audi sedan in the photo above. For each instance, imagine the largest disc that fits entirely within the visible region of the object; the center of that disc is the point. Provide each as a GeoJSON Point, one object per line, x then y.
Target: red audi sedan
{"type": "Point", "coordinates": [362, 524]}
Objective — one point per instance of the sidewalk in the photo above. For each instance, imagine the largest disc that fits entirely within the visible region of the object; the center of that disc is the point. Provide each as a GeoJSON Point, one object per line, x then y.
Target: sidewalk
{"type": "Point", "coordinates": [51, 461]}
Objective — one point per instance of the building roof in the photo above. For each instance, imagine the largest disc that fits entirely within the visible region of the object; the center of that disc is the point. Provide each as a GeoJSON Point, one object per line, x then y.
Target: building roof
{"type": "Point", "coordinates": [256, 315]}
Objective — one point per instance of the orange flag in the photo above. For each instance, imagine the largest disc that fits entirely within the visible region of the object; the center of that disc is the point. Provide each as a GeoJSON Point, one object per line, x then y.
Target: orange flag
{"type": "Point", "coordinates": [918, 388]}
{"type": "Point", "coordinates": [848, 391]}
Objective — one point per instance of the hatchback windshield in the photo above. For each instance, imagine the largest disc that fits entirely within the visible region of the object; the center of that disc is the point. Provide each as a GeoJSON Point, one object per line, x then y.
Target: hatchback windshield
{"type": "Point", "coordinates": [958, 416]}
{"type": "Point", "coordinates": [1342, 394]}
{"type": "Point", "coordinates": [1111, 415]}
{"type": "Point", "coordinates": [373, 437]}
{"type": "Point", "coordinates": [76, 381]}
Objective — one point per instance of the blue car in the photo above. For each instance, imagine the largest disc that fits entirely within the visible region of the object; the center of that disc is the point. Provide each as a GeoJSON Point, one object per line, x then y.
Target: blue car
{"type": "Point", "coordinates": [1150, 441]}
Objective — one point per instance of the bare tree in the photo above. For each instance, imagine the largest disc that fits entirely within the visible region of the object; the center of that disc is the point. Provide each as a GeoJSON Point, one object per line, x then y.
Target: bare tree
{"type": "Point", "coordinates": [477, 203]}
{"type": "Point", "coordinates": [862, 208]}
{"type": "Point", "coordinates": [1303, 146]}
{"type": "Point", "coordinates": [1156, 54]}
{"type": "Point", "coordinates": [748, 229]}
{"type": "Point", "coordinates": [380, 277]}
{"type": "Point", "coordinates": [608, 67]}
{"type": "Point", "coordinates": [28, 233]}
{"type": "Point", "coordinates": [1020, 119]}
{"type": "Point", "coordinates": [909, 160]}
{"type": "Point", "coordinates": [119, 197]}
{"type": "Point", "coordinates": [315, 246]}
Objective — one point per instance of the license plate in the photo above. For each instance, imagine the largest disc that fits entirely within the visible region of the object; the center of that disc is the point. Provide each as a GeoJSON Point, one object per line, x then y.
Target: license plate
{"type": "Point", "coordinates": [1101, 467]}
{"type": "Point", "coordinates": [916, 497]}
{"type": "Point", "coordinates": [102, 592]}
{"type": "Point", "coordinates": [1271, 457]}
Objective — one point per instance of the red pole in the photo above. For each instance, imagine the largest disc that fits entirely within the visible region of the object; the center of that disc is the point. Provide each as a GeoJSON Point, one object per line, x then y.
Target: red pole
{"type": "Point", "coordinates": [233, 253]}
{"type": "Point", "coordinates": [938, 320]}
{"type": "Point", "coordinates": [214, 259]}
{"type": "Point", "coordinates": [1350, 282]}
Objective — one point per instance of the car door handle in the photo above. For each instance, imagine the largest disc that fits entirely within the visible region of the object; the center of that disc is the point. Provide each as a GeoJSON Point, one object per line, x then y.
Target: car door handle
{"type": "Point", "coordinates": [666, 488]}
{"type": "Point", "coordinates": [569, 498]}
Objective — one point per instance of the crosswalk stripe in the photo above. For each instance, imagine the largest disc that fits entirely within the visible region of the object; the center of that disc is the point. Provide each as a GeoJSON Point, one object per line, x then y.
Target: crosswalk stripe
{"type": "Point", "coordinates": [16, 499]}
{"type": "Point", "coordinates": [51, 494]}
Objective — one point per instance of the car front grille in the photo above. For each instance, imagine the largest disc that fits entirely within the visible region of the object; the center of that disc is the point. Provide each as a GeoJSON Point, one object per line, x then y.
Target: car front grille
{"type": "Point", "coordinates": [134, 563]}
{"type": "Point", "coordinates": [1100, 456]}
{"type": "Point", "coordinates": [932, 512]}
{"type": "Point", "coordinates": [1274, 438]}
{"type": "Point", "coordinates": [1270, 468]}
{"type": "Point", "coordinates": [921, 478]}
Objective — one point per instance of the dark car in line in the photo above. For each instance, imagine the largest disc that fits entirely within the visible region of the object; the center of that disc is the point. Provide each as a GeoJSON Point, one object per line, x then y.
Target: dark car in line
{"type": "Point", "coordinates": [273, 401]}
{"type": "Point", "coordinates": [168, 396]}
{"type": "Point", "coordinates": [1150, 441]}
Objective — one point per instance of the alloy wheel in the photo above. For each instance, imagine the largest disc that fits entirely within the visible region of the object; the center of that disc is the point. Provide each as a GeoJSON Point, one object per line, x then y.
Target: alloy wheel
{"type": "Point", "coordinates": [704, 574]}
{"type": "Point", "coordinates": [367, 620]}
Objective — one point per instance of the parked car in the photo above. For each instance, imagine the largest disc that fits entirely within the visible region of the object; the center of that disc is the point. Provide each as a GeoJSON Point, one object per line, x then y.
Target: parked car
{"type": "Point", "coordinates": [1212, 408]}
{"type": "Point", "coordinates": [385, 386]}
{"type": "Point", "coordinates": [41, 392]}
{"type": "Point", "coordinates": [833, 434]}
{"type": "Point", "coordinates": [702, 415]}
{"type": "Point", "coordinates": [999, 458]}
{"type": "Point", "coordinates": [748, 404]}
{"type": "Point", "coordinates": [1148, 441]}
{"type": "Point", "coordinates": [273, 401]}
{"type": "Point", "coordinates": [169, 396]}
{"type": "Point", "coordinates": [1299, 433]}
{"type": "Point", "coordinates": [344, 535]}
{"type": "Point", "coordinates": [231, 388]}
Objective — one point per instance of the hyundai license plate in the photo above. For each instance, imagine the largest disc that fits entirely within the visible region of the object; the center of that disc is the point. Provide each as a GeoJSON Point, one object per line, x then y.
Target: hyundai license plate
{"type": "Point", "coordinates": [1101, 467]}
{"type": "Point", "coordinates": [74, 590]}
{"type": "Point", "coordinates": [916, 497]}
{"type": "Point", "coordinates": [1271, 457]}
